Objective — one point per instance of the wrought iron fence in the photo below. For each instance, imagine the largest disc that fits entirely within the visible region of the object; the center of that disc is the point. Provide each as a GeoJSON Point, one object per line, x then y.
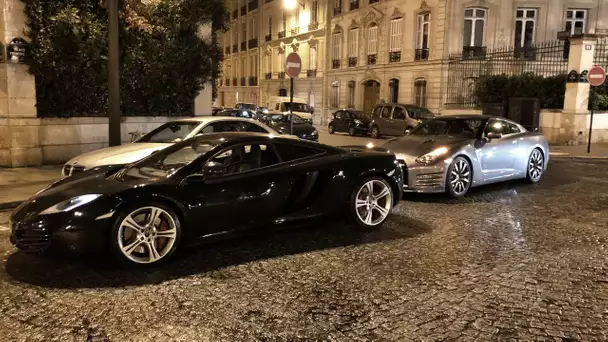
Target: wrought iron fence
{"type": "Point", "coordinates": [544, 59]}
{"type": "Point", "coordinates": [600, 58]}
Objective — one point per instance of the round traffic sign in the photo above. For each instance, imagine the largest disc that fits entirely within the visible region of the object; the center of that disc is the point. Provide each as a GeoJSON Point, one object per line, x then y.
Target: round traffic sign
{"type": "Point", "coordinates": [293, 65]}
{"type": "Point", "coordinates": [596, 76]}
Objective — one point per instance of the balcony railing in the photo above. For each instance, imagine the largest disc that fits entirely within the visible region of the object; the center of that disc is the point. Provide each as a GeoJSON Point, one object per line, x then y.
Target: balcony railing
{"type": "Point", "coordinates": [243, 46]}
{"type": "Point", "coordinates": [394, 57]}
{"type": "Point", "coordinates": [311, 73]}
{"type": "Point", "coordinates": [227, 50]}
{"type": "Point", "coordinates": [372, 59]}
{"type": "Point", "coordinates": [243, 10]}
{"type": "Point", "coordinates": [268, 76]}
{"type": "Point", "coordinates": [281, 34]}
{"type": "Point", "coordinates": [234, 81]}
{"type": "Point", "coordinates": [527, 53]}
{"type": "Point", "coordinates": [253, 81]}
{"type": "Point", "coordinates": [243, 81]}
{"type": "Point", "coordinates": [253, 43]}
{"type": "Point", "coordinates": [281, 74]}
{"type": "Point", "coordinates": [268, 37]}
{"type": "Point", "coordinates": [353, 5]}
{"type": "Point", "coordinates": [352, 62]}
{"type": "Point", "coordinates": [252, 5]}
{"type": "Point", "coordinates": [227, 82]}
{"type": "Point", "coordinates": [235, 48]}
{"type": "Point", "coordinates": [337, 11]}
{"type": "Point", "coordinates": [313, 26]}
{"type": "Point", "coordinates": [335, 64]}
{"type": "Point", "coordinates": [421, 54]}
{"type": "Point", "coordinates": [473, 52]}
{"type": "Point", "coordinates": [235, 14]}
{"type": "Point", "coordinates": [295, 31]}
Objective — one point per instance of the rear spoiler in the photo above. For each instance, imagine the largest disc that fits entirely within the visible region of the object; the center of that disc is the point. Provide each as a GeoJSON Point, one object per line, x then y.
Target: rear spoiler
{"type": "Point", "coordinates": [363, 148]}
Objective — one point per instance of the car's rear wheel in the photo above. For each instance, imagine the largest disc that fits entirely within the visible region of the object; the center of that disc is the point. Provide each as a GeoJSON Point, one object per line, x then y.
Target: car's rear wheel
{"type": "Point", "coordinates": [371, 203]}
{"type": "Point", "coordinates": [145, 235]}
{"type": "Point", "coordinates": [352, 131]}
{"type": "Point", "coordinates": [536, 164]}
{"type": "Point", "coordinates": [459, 177]}
{"type": "Point", "coordinates": [375, 132]}
{"type": "Point", "coordinates": [330, 129]}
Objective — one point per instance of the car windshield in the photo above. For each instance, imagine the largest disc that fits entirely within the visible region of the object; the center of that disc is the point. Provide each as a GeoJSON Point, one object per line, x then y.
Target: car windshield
{"type": "Point", "coordinates": [163, 164]}
{"type": "Point", "coordinates": [171, 132]}
{"type": "Point", "coordinates": [359, 115]}
{"type": "Point", "coordinates": [297, 107]}
{"type": "Point", "coordinates": [285, 118]}
{"type": "Point", "coordinates": [452, 127]}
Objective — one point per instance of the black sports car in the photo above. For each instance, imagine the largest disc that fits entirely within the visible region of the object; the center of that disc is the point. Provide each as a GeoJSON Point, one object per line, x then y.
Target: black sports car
{"type": "Point", "coordinates": [282, 123]}
{"type": "Point", "coordinates": [203, 187]}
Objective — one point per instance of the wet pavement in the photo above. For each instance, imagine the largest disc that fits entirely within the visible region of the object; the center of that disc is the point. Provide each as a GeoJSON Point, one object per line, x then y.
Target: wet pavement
{"type": "Point", "coordinates": [511, 261]}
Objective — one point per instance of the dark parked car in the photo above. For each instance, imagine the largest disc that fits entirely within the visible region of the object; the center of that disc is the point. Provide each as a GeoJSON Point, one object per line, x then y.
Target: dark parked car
{"type": "Point", "coordinates": [207, 186]}
{"type": "Point", "coordinates": [301, 128]}
{"type": "Point", "coordinates": [216, 110]}
{"type": "Point", "coordinates": [239, 113]}
{"type": "Point", "coordinates": [351, 121]}
{"type": "Point", "coordinates": [396, 119]}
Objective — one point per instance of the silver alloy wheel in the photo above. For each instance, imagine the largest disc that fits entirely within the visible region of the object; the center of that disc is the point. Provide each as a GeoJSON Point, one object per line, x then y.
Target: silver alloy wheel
{"type": "Point", "coordinates": [460, 177]}
{"type": "Point", "coordinates": [147, 235]}
{"type": "Point", "coordinates": [535, 165]}
{"type": "Point", "coordinates": [373, 202]}
{"type": "Point", "coordinates": [375, 132]}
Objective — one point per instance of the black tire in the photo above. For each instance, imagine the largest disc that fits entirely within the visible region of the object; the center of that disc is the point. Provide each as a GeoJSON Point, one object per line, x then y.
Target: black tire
{"type": "Point", "coordinates": [535, 166]}
{"type": "Point", "coordinates": [384, 203]}
{"type": "Point", "coordinates": [330, 129]}
{"type": "Point", "coordinates": [460, 185]}
{"type": "Point", "coordinates": [375, 132]}
{"type": "Point", "coordinates": [114, 235]}
{"type": "Point", "coordinates": [352, 132]}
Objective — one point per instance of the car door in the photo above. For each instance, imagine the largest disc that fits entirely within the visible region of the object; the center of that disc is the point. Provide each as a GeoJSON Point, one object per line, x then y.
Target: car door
{"type": "Point", "coordinates": [497, 155]}
{"type": "Point", "coordinates": [385, 121]}
{"type": "Point", "coordinates": [342, 118]}
{"type": "Point", "coordinates": [399, 121]}
{"type": "Point", "coordinates": [250, 191]}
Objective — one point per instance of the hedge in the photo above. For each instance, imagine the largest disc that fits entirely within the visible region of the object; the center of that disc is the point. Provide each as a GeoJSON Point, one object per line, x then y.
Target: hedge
{"type": "Point", "coordinates": [164, 64]}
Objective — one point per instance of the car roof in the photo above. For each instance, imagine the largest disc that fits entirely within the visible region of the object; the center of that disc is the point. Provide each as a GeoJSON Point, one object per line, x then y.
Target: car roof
{"type": "Point", "coordinates": [209, 118]}
{"type": "Point", "coordinates": [469, 116]}
{"type": "Point", "coordinates": [224, 138]}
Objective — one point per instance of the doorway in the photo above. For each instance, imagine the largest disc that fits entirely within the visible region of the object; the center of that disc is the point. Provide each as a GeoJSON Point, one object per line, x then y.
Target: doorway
{"type": "Point", "coordinates": [371, 95]}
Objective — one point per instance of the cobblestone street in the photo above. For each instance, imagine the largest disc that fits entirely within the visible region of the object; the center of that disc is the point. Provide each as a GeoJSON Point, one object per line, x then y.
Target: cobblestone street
{"type": "Point", "coordinates": [511, 261]}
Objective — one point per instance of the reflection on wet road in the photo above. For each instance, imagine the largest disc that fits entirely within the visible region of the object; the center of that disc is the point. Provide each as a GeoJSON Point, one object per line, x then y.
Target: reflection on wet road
{"type": "Point", "coordinates": [510, 261]}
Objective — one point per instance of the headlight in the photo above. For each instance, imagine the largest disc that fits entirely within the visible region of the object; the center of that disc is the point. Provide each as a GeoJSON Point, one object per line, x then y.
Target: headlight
{"type": "Point", "coordinates": [432, 156]}
{"type": "Point", "coordinates": [70, 204]}
{"type": "Point", "coordinates": [315, 132]}
{"type": "Point", "coordinates": [358, 122]}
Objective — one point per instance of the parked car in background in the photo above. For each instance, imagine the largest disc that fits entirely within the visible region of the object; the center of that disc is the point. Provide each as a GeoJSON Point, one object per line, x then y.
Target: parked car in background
{"type": "Point", "coordinates": [299, 108]}
{"type": "Point", "coordinates": [207, 187]}
{"type": "Point", "coordinates": [351, 121]}
{"type": "Point", "coordinates": [160, 138]}
{"type": "Point", "coordinates": [248, 106]}
{"type": "Point", "coordinates": [240, 113]}
{"type": "Point", "coordinates": [396, 119]}
{"type": "Point", "coordinates": [454, 153]}
{"type": "Point", "coordinates": [282, 123]}
{"type": "Point", "coordinates": [215, 110]}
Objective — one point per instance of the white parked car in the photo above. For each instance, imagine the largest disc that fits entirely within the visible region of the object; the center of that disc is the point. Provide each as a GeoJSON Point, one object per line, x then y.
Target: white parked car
{"type": "Point", "coordinates": [160, 138]}
{"type": "Point", "coordinates": [299, 108]}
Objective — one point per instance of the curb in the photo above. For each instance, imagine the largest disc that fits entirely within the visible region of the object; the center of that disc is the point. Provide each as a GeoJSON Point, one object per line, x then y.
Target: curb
{"type": "Point", "coordinates": [10, 205]}
{"type": "Point", "coordinates": [581, 158]}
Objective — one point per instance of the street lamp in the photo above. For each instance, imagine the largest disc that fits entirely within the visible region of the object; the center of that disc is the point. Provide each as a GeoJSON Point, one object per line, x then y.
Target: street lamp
{"type": "Point", "coordinates": [291, 4]}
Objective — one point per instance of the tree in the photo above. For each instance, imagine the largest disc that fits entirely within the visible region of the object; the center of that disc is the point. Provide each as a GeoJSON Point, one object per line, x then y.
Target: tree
{"type": "Point", "coordinates": [164, 60]}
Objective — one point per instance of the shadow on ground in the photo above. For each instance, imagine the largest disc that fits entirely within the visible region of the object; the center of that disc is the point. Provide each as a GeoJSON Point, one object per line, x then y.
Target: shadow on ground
{"type": "Point", "coordinates": [100, 271]}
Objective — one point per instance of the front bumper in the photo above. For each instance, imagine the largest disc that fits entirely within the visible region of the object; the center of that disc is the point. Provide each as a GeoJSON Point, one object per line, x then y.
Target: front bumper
{"type": "Point", "coordinates": [60, 232]}
{"type": "Point", "coordinates": [424, 178]}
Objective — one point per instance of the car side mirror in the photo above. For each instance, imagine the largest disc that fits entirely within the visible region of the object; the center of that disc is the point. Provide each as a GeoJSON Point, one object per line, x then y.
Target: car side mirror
{"type": "Point", "coordinates": [493, 135]}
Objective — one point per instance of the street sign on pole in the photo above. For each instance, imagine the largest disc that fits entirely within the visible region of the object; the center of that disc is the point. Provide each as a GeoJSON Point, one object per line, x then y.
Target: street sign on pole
{"type": "Point", "coordinates": [596, 77]}
{"type": "Point", "coordinates": [293, 66]}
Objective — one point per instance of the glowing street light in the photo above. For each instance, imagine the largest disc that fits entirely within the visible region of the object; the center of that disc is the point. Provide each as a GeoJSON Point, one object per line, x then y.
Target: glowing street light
{"type": "Point", "coordinates": [292, 4]}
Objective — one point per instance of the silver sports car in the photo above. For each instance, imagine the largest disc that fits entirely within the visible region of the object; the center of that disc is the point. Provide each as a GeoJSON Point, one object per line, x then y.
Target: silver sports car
{"type": "Point", "coordinates": [454, 153]}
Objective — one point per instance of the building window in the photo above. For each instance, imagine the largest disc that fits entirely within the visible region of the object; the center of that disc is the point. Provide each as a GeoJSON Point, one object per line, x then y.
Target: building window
{"type": "Point", "coordinates": [313, 58]}
{"type": "Point", "coordinates": [576, 21]}
{"type": "Point", "coordinates": [474, 26]}
{"type": "Point", "coordinates": [353, 5]}
{"type": "Point", "coordinates": [336, 54]}
{"type": "Point", "coordinates": [372, 40]}
{"type": "Point", "coordinates": [351, 94]}
{"type": "Point", "coordinates": [420, 92]}
{"type": "Point", "coordinates": [353, 47]}
{"type": "Point", "coordinates": [525, 24]}
{"type": "Point", "coordinates": [393, 87]}
{"type": "Point", "coordinates": [284, 23]}
{"type": "Point", "coordinates": [396, 34]}
{"type": "Point", "coordinates": [270, 25]}
{"type": "Point", "coordinates": [337, 7]}
{"type": "Point", "coordinates": [422, 36]}
{"type": "Point", "coordinates": [314, 12]}
{"type": "Point", "coordinates": [335, 94]}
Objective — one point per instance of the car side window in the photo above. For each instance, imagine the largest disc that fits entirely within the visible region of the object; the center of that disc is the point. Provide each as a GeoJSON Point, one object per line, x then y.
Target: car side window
{"type": "Point", "coordinates": [251, 127]}
{"type": "Point", "coordinates": [339, 115]}
{"type": "Point", "coordinates": [289, 152]}
{"type": "Point", "coordinates": [399, 113]}
{"type": "Point", "coordinates": [377, 112]}
{"type": "Point", "coordinates": [386, 112]}
{"type": "Point", "coordinates": [496, 126]}
{"type": "Point", "coordinates": [511, 128]}
{"type": "Point", "coordinates": [243, 158]}
{"type": "Point", "coordinates": [221, 126]}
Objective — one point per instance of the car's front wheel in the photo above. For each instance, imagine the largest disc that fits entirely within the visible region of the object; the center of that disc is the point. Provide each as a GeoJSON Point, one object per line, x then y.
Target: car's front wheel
{"type": "Point", "coordinates": [352, 131]}
{"type": "Point", "coordinates": [536, 164]}
{"type": "Point", "coordinates": [375, 132]}
{"type": "Point", "coordinates": [459, 177]}
{"type": "Point", "coordinates": [145, 235]}
{"type": "Point", "coordinates": [330, 129]}
{"type": "Point", "coordinates": [371, 203]}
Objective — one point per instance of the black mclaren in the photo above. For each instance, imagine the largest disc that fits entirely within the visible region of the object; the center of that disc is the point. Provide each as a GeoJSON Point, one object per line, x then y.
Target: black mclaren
{"type": "Point", "coordinates": [207, 186]}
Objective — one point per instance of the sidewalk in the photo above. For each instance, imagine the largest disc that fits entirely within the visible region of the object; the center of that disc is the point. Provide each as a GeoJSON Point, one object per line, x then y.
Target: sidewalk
{"type": "Point", "coordinates": [19, 184]}
{"type": "Point", "coordinates": [598, 151]}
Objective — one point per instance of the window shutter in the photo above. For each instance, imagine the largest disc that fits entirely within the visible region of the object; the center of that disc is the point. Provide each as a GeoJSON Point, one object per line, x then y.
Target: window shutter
{"type": "Point", "coordinates": [372, 42]}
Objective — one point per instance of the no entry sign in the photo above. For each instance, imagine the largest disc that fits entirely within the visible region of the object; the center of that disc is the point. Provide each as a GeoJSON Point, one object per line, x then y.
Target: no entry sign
{"type": "Point", "coordinates": [293, 65]}
{"type": "Point", "coordinates": [596, 76]}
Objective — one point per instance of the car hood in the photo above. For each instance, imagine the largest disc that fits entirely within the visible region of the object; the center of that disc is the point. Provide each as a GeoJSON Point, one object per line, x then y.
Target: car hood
{"type": "Point", "coordinates": [298, 129]}
{"type": "Point", "coordinates": [117, 155]}
{"type": "Point", "coordinates": [89, 182]}
{"type": "Point", "coordinates": [414, 146]}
